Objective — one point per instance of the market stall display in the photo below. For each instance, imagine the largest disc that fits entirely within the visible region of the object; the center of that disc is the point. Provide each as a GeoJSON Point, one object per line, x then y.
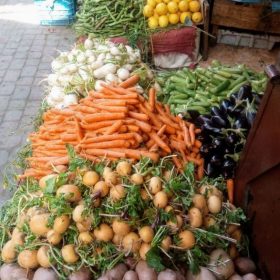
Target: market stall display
{"type": "Point", "coordinates": [127, 178]}
{"type": "Point", "coordinates": [88, 65]}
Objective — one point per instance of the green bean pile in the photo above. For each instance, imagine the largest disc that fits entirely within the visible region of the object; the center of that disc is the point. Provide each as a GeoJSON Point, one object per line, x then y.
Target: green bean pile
{"type": "Point", "coordinates": [103, 18]}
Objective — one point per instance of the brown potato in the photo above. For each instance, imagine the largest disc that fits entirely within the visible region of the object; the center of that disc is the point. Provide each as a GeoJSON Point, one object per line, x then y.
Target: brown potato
{"type": "Point", "coordinates": [167, 274]}
{"type": "Point", "coordinates": [130, 275]}
{"type": "Point", "coordinates": [83, 274]}
{"type": "Point", "coordinates": [69, 254]}
{"type": "Point", "coordinates": [244, 265]}
{"type": "Point", "coordinates": [39, 224]}
{"type": "Point", "coordinates": [70, 192]}
{"type": "Point", "coordinates": [195, 217]}
{"type": "Point", "coordinates": [45, 274]}
{"type": "Point", "coordinates": [61, 224]}
{"type": "Point", "coordinates": [42, 257]}
{"type": "Point", "coordinates": [144, 272]}
{"type": "Point", "coordinates": [117, 272]}
{"type": "Point", "coordinates": [8, 253]}
{"type": "Point", "coordinates": [28, 259]}
{"type": "Point", "coordinates": [221, 264]}
{"type": "Point", "coordinates": [204, 274]}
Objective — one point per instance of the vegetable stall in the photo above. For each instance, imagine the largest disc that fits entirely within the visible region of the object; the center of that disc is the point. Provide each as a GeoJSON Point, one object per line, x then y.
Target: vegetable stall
{"type": "Point", "coordinates": [129, 173]}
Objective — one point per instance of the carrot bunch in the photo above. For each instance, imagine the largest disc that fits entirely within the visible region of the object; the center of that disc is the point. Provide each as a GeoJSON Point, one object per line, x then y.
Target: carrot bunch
{"type": "Point", "coordinates": [113, 123]}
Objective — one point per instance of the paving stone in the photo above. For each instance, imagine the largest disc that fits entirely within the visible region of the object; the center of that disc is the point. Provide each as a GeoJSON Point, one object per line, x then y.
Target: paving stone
{"type": "Point", "coordinates": [42, 66]}
{"type": "Point", "coordinates": [32, 61]}
{"type": "Point", "coordinates": [25, 81]}
{"type": "Point", "coordinates": [12, 75]}
{"type": "Point", "coordinates": [34, 54]}
{"type": "Point", "coordinates": [21, 54]}
{"type": "Point", "coordinates": [9, 141]}
{"type": "Point", "coordinates": [6, 88]}
{"type": "Point", "coordinates": [9, 125]}
{"type": "Point", "coordinates": [36, 93]}
{"type": "Point", "coordinates": [17, 63]}
{"type": "Point", "coordinates": [17, 104]}
{"type": "Point", "coordinates": [13, 115]}
{"type": "Point", "coordinates": [4, 101]}
{"type": "Point", "coordinates": [28, 71]}
{"type": "Point", "coordinates": [3, 157]}
{"type": "Point", "coordinates": [21, 92]}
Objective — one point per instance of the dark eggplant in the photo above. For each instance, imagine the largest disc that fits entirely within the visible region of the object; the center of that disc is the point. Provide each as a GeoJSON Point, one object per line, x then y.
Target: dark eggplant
{"type": "Point", "coordinates": [245, 92]}
{"type": "Point", "coordinates": [232, 139]}
{"type": "Point", "coordinates": [228, 164]}
{"type": "Point", "coordinates": [220, 122]}
{"type": "Point", "coordinates": [210, 170]}
{"type": "Point", "coordinates": [238, 147]}
{"type": "Point", "coordinates": [218, 142]}
{"type": "Point", "coordinates": [241, 122]}
{"type": "Point", "coordinates": [208, 127]}
{"type": "Point", "coordinates": [215, 111]}
{"type": "Point", "coordinates": [205, 149]}
{"type": "Point", "coordinates": [250, 116]}
{"type": "Point", "coordinates": [228, 174]}
{"type": "Point", "coordinates": [225, 105]}
{"type": "Point", "coordinates": [200, 120]}
{"type": "Point", "coordinates": [216, 160]}
{"type": "Point", "coordinates": [193, 114]}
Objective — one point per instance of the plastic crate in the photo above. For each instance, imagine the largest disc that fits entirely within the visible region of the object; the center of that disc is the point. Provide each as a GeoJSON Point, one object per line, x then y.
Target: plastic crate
{"type": "Point", "coordinates": [275, 6]}
{"type": "Point", "coordinates": [56, 5]}
{"type": "Point", "coordinates": [57, 22]}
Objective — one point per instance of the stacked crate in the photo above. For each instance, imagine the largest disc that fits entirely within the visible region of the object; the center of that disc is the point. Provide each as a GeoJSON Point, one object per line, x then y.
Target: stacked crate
{"type": "Point", "coordinates": [56, 12]}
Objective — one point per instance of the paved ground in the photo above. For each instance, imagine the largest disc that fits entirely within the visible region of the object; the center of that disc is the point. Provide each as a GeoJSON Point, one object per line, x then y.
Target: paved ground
{"type": "Point", "coordinates": [26, 52]}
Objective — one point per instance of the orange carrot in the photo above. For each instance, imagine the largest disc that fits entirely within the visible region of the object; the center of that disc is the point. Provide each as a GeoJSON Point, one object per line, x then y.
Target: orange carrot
{"type": "Point", "coordinates": [130, 82]}
{"type": "Point", "coordinates": [103, 117]}
{"type": "Point", "coordinates": [143, 126]}
{"type": "Point", "coordinates": [177, 163]}
{"type": "Point", "coordinates": [106, 144]}
{"type": "Point", "coordinates": [194, 160]}
{"type": "Point", "coordinates": [192, 133]}
{"type": "Point", "coordinates": [159, 142]}
{"type": "Point", "coordinates": [200, 170]}
{"type": "Point", "coordinates": [152, 98]}
{"type": "Point", "coordinates": [105, 153]}
{"type": "Point", "coordinates": [133, 128]}
{"type": "Point", "coordinates": [197, 143]}
{"type": "Point", "coordinates": [114, 127]}
{"type": "Point", "coordinates": [186, 135]}
{"type": "Point", "coordinates": [230, 190]}
{"type": "Point", "coordinates": [138, 116]}
{"type": "Point", "coordinates": [68, 137]}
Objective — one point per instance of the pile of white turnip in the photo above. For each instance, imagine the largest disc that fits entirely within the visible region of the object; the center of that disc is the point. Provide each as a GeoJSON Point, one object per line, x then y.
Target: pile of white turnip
{"type": "Point", "coordinates": [96, 216]}
{"type": "Point", "coordinates": [90, 64]}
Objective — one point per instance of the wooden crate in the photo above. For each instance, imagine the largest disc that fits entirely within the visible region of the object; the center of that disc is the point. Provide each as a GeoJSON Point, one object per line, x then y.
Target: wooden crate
{"type": "Point", "coordinates": [256, 17]}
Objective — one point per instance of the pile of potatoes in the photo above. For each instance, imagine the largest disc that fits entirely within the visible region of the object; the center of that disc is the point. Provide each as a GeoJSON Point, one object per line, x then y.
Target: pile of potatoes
{"type": "Point", "coordinates": [132, 240]}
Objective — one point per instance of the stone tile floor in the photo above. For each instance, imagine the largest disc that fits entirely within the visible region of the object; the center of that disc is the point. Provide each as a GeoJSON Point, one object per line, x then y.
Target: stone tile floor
{"type": "Point", "coordinates": [26, 52]}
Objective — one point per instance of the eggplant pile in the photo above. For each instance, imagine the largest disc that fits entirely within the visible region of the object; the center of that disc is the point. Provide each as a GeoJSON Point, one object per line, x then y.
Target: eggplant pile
{"type": "Point", "coordinates": [225, 129]}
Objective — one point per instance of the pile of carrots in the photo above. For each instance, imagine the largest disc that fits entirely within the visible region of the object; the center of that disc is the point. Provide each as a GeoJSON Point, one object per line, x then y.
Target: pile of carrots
{"type": "Point", "coordinates": [113, 123]}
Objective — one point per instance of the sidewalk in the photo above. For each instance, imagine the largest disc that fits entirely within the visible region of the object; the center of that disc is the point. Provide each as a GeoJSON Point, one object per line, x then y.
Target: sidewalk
{"type": "Point", "coordinates": [26, 52]}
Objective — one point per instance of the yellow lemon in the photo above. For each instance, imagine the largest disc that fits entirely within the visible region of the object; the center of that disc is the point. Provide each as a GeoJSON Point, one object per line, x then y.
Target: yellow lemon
{"type": "Point", "coordinates": [156, 15]}
{"type": "Point", "coordinates": [177, 1]}
{"type": "Point", "coordinates": [163, 21]}
{"type": "Point", "coordinates": [194, 6]}
{"type": "Point", "coordinates": [148, 11]}
{"type": "Point", "coordinates": [172, 7]}
{"type": "Point", "coordinates": [158, 1]}
{"type": "Point", "coordinates": [166, 1]}
{"type": "Point", "coordinates": [161, 9]}
{"type": "Point", "coordinates": [184, 15]}
{"type": "Point", "coordinates": [173, 18]}
{"type": "Point", "coordinates": [153, 22]}
{"type": "Point", "coordinates": [183, 6]}
{"type": "Point", "coordinates": [152, 3]}
{"type": "Point", "coordinates": [197, 17]}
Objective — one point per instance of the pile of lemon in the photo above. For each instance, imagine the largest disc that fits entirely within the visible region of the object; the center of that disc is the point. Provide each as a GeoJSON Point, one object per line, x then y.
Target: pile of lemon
{"type": "Point", "coordinates": [161, 13]}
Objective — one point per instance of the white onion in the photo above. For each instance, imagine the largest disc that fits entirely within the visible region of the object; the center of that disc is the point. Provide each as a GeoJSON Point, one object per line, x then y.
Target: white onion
{"type": "Point", "coordinates": [123, 74]}
{"type": "Point", "coordinates": [89, 53]}
{"type": "Point", "coordinates": [109, 78]}
{"type": "Point", "coordinates": [108, 56]}
{"type": "Point", "coordinates": [81, 58]}
{"type": "Point", "coordinates": [57, 94]}
{"type": "Point", "coordinates": [157, 86]}
{"type": "Point", "coordinates": [139, 89]}
{"type": "Point", "coordinates": [75, 51]}
{"type": "Point", "coordinates": [91, 59]}
{"type": "Point", "coordinates": [98, 85]}
{"type": "Point", "coordinates": [128, 67]}
{"type": "Point", "coordinates": [150, 74]}
{"type": "Point", "coordinates": [132, 58]}
{"type": "Point", "coordinates": [50, 101]}
{"type": "Point", "coordinates": [70, 99]}
{"type": "Point", "coordinates": [52, 79]}
{"type": "Point", "coordinates": [101, 57]}
{"type": "Point", "coordinates": [129, 49]}
{"type": "Point", "coordinates": [70, 57]}
{"type": "Point", "coordinates": [115, 51]}
{"type": "Point", "coordinates": [96, 65]}
{"type": "Point", "coordinates": [83, 74]}
{"type": "Point", "coordinates": [64, 70]}
{"type": "Point", "coordinates": [88, 44]}
{"type": "Point", "coordinates": [56, 65]}
{"type": "Point", "coordinates": [72, 68]}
